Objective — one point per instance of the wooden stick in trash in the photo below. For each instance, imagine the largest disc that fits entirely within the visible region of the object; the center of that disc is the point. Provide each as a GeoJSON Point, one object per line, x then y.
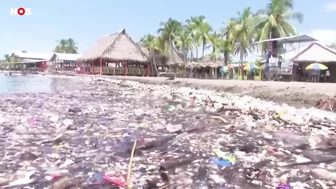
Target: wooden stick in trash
{"type": "Point", "coordinates": [220, 118]}
{"type": "Point", "coordinates": [129, 171]}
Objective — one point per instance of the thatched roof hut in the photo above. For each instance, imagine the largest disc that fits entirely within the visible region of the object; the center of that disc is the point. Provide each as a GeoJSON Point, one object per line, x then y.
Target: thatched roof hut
{"type": "Point", "coordinates": [116, 47]}
{"type": "Point", "coordinates": [174, 57]}
{"type": "Point", "coordinates": [170, 58]}
{"type": "Point", "coordinates": [207, 62]}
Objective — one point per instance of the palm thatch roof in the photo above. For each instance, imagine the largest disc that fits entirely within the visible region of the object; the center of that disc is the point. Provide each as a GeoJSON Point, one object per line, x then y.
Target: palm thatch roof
{"type": "Point", "coordinates": [174, 57]}
{"type": "Point", "coordinates": [170, 58]}
{"type": "Point", "coordinates": [118, 47]}
{"type": "Point", "coordinates": [207, 62]}
{"type": "Point", "coordinates": [203, 64]}
{"type": "Point", "coordinates": [160, 59]}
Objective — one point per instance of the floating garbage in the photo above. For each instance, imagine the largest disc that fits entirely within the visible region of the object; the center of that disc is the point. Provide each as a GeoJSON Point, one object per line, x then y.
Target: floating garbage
{"type": "Point", "coordinates": [184, 138]}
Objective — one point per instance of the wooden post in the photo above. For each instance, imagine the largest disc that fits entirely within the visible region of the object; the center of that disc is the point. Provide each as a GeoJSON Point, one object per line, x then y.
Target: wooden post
{"type": "Point", "coordinates": [84, 66]}
{"type": "Point", "coordinates": [76, 67]}
{"type": "Point", "coordinates": [100, 66]}
{"type": "Point", "coordinates": [126, 69]}
{"type": "Point", "coordinates": [92, 67]}
{"type": "Point", "coordinates": [148, 70]}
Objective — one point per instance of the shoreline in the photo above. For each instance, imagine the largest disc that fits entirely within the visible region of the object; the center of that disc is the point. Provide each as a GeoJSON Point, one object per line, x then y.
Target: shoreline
{"type": "Point", "coordinates": [297, 94]}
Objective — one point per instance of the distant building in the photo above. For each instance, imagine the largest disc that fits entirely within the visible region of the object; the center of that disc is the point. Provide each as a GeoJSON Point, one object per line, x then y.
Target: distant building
{"type": "Point", "coordinates": [65, 61]}
{"type": "Point", "coordinates": [59, 61]}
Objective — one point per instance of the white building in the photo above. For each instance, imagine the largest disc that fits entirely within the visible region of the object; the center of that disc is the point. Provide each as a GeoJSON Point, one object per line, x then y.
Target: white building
{"type": "Point", "coordinates": [55, 60]}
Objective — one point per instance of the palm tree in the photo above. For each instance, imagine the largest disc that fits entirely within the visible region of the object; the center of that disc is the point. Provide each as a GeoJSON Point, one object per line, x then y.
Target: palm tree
{"type": "Point", "coordinates": [235, 38]}
{"type": "Point", "coordinates": [149, 41]}
{"type": "Point", "coordinates": [67, 46]}
{"type": "Point", "coordinates": [203, 30]}
{"type": "Point", "coordinates": [215, 40]}
{"type": "Point", "coordinates": [242, 34]}
{"type": "Point", "coordinates": [274, 21]}
{"type": "Point", "coordinates": [184, 41]}
{"type": "Point", "coordinates": [169, 31]}
{"type": "Point", "coordinates": [72, 46]}
{"type": "Point", "coordinates": [225, 46]}
{"type": "Point", "coordinates": [61, 47]}
{"type": "Point", "coordinates": [200, 30]}
{"type": "Point", "coordinates": [156, 47]}
{"type": "Point", "coordinates": [10, 58]}
{"type": "Point", "coordinates": [227, 33]}
{"type": "Point", "coordinates": [193, 25]}
{"type": "Point", "coordinates": [7, 58]}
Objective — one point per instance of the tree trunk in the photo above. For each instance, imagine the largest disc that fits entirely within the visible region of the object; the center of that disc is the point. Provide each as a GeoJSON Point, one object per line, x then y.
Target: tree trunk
{"type": "Point", "coordinates": [226, 54]}
{"type": "Point", "coordinates": [226, 57]}
{"type": "Point", "coordinates": [272, 46]}
{"type": "Point", "coordinates": [191, 55]}
{"type": "Point", "coordinates": [154, 63]}
{"type": "Point", "coordinates": [203, 48]}
{"type": "Point", "coordinates": [196, 48]}
{"type": "Point", "coordinates": [241, 64]}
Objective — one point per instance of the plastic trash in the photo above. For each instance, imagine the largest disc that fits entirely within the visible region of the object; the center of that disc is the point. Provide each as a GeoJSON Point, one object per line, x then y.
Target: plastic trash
{"type": "Point", "coordinates": [186, 138]}
{"type": "Point", "coordinates": [117, 180]}
{"type": "Point", "coordinates": [284, 186]}
{"type": "Point", "coordinates": [221, 163]}
{"type": "Point", "coordinates": [95, 178]}
{"type": "Point", "coordinates": [171, 107]}
{"type": "Point", "coordinates": [225, 156]}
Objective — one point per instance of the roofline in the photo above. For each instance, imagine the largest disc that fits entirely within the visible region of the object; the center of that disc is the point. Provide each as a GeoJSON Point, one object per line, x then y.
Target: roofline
{"type": "Point", "coordinates": [310, 46]}
{"type": "Point", "coordinates": [53, 56]}
{"type": "Point", "coordinates": [119, 34]}
{"type": "Point", "coordinates": [284, 38]}
{"type": "Point", "coordinates": [37, 61]}
{"type": "Point", "coordinates": [313, 61]}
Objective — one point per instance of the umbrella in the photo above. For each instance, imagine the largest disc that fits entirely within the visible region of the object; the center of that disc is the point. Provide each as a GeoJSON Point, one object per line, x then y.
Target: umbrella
{"type": "Point", "coordinates": [251, 66]}
{"type": "Point", "coordinates": [316, 66]}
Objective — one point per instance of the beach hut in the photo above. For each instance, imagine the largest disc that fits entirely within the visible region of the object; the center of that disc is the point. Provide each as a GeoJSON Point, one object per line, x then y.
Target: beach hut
{"type": "Point", "coordinates": [56, 61]}
{"type": "Point", "coordinates": [65, 61]}
{"type": "Point", "coordinates": [207, 69]}
{"type": "Point", "coordinates": [32, 60]}
{"type": "Point", "coordinates": [175, 63]}
{"type": "Point", "coordinates": [115, 54]}
{"type": "Point", "coordinates": [170, 60]}
{"type": "Point", "coordinates": [317, 52]}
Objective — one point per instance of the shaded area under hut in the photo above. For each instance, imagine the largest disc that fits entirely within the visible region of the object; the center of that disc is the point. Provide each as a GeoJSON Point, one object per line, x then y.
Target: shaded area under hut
{"type": "Point", "coordinates": [164, 62]}
{"type": "Point", "coordinates": [116, 54]}
{"type": "Point", "coordinates": [208, 69]}
{"type": "Point", "coordinates": [25, 67]}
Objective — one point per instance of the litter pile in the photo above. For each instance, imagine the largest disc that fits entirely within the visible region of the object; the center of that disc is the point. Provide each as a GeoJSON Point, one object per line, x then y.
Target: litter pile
{"type": "Point", "coordinates": [328, 104]}
{"type": "Point", "coordinates": [180, 138]}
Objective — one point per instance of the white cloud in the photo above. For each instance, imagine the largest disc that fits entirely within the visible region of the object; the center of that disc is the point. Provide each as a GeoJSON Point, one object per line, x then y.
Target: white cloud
{"type": "Point", "coordinates": [324, 35]}
{"type": "Point", "coordinates": [330, 6]}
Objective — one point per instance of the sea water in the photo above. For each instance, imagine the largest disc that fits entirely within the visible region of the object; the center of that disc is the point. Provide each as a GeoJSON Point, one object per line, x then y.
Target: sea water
{"type": "Point", "coordinates": [26, 84]}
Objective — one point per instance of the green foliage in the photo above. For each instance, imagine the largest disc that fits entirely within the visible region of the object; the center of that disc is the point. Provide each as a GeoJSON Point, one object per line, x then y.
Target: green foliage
{"type": "Point", "coordinates": [235, 38]}
{"type": "Point", "coordinates": [10, 59]}
{"type": "Point", "coordinates": [66, 46]}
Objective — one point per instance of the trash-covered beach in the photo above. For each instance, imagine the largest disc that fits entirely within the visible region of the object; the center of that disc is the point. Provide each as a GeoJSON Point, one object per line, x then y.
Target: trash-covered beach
{"type": "Point", "coordinates": [180, 138]}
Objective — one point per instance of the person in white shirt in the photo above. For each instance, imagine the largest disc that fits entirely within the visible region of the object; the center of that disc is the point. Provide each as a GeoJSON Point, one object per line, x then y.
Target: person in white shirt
{"type": "Point", "coordinates": [327, 75]}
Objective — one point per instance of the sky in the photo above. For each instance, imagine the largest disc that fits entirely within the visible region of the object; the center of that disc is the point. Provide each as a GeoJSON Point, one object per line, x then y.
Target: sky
{"type": "Point", "coordinates": [86, 21]}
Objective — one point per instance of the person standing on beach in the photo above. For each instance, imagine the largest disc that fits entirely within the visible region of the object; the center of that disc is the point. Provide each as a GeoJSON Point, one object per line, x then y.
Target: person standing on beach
{"type": "Point", "coordinates": [315, 75]}
{"type": "Point", "coordinates": [327, 75]}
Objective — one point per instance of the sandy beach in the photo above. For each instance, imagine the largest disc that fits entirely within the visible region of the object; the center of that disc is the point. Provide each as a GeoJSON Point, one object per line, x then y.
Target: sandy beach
{"type": "Point", "coordinates": [298, 94]}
